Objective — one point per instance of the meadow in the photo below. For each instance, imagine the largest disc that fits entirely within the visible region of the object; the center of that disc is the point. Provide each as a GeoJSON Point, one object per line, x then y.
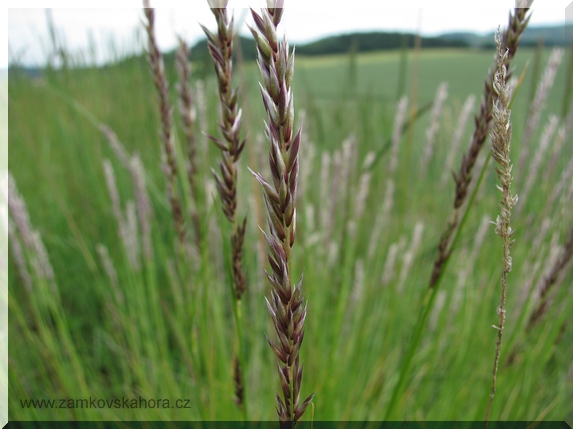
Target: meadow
{"type": "Point", "coordinates": [112, 318]}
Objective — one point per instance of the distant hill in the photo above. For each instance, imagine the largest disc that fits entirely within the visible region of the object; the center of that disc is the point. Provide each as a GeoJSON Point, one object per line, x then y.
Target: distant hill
{"type": "Point", "coordinates": [373, 41]}
{"type": "Point", "coordinates": [340, 44]}
{"type": "Point", "coordinates": [556, 35]}
{"type": "Point", "coordinates": [550, 35]}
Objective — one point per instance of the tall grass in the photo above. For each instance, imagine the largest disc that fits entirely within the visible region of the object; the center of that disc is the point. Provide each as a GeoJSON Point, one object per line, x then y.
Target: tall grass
{"type": "Point", "coordinates": [105, 315]}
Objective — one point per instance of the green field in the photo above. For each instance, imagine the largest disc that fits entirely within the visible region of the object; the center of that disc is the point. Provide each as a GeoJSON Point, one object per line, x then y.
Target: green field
{"type": "Point", "coordinates": [166, 330]}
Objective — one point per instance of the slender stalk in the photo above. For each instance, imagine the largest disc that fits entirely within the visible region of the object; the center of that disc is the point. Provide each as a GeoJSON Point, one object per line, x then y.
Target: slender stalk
{"type": "Point", "coordinates": [276, 64]}
{"type": "Point", "coordinates": [501, 140]}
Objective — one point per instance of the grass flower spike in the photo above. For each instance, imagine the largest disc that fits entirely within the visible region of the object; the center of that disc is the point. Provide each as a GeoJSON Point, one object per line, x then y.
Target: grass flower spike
{"type": "Point", "coordinates": [221, 50]}
{"type": "Point", "coordinates": [155, 60]}
{"type": "Point", "coordinates": [286, 306]}
{"type": "Point", "coordinates": [500, 145]}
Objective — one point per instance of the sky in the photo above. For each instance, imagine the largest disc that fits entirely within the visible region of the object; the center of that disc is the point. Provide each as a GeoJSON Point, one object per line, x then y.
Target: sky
{"type": "Point", "coordinates": [105, 25]}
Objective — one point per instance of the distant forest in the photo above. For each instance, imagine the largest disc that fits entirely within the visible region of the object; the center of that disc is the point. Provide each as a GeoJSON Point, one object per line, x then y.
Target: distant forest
{"type": "Point", "coordinates": [381, 41]}
{"type": "Point", "coordinates": [372, 41]}
{"type": "Point", "coordinates": [341, 44]}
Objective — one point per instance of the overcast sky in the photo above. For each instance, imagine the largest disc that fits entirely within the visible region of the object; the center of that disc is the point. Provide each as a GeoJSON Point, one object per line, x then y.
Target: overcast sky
{"type": "Point", "coordinates": [105, 24]}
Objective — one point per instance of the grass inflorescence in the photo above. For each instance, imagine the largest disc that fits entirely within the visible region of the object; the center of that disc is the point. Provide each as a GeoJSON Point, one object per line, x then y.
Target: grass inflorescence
{"type": "Point", "coordinates": [501, 141]}
{"type": "Point", "coordinates": [286, 306]}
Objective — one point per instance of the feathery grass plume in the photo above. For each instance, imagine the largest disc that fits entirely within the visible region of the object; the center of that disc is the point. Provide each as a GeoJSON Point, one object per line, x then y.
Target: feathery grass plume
{"type": "Point", "coordinates": [188, 119]}
{"type": "Point", "coordinates": [409, 255]}
{"type": "Point", "coordinates": [457, 137]}
{"type": "Point", "coordinates": [437, 310]}
{"type": "Point", "coordinates": [221, 50]}
{"type": "Point", "coordinates": [342, 162]}
{"type": "Point", "coordinates": [518, 21]}
{"type": "Point", "coordinates": [441, 95]}
{"type": "Point", "coordinates": [126, 225]}
{"type": "Point", "coordinates": [114, 196]}
{"type": "Point", "coordinates": [397, 133]}
{"type": "Point", "coordinates": [155, 60]}
{"type": "Point", "coordinates": [538, 103]}
{"type": "Point", "coordinates": [276, 64]}
{"type": "Point", "coordinates": [135, 167]}
{"type": "Point", "coordinates": [115, 144]}
{"type": "Point", "coordinates": [500, 146]}
{"type": "Point", "coordinates": [33, 244]}
{"type": "Point", "coordinates": [348, 160]}
{"type": "Point", "coordinates": [359, 202]}
{"type": "Point", "coordinates": [144, 208]}
{"type": "Point", "coordinates": [551, 279]}
{"type": "Point", "coordinates": [342, 186]}
{"type": "Point", "coordinates": [19, 212]}
{"type": "Point", "coordinates": [388, 272]}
